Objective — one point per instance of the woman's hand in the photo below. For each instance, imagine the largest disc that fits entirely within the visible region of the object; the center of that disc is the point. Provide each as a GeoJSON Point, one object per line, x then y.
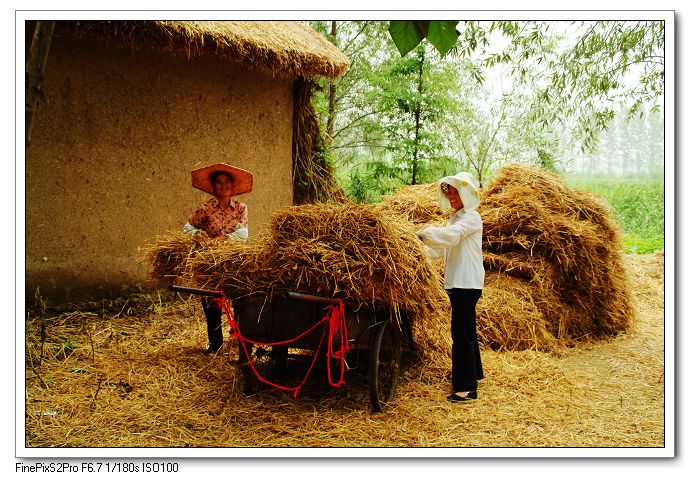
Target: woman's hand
{"type": "Point", "coordinates": [422, 235]}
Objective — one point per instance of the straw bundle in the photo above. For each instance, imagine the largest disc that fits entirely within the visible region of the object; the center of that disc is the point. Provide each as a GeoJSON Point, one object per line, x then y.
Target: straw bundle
{"type": "Point", "coordinates": [168, 254]}
{"type": "Point", "coordinates": [569, 239]}
{"type": "Point", "coordinates": [348, 251]}
{"type": "Point", "coordinates": [553, 260]}
{"type": "Point", "coordinates": [417, 204]}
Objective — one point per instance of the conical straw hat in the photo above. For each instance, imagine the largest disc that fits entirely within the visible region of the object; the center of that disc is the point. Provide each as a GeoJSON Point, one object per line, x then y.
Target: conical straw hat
{"type": "Point", "coordinates": [242, 181]}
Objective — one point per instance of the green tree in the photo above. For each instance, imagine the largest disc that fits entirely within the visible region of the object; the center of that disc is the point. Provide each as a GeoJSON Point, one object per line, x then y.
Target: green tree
{"type": "Point", "coordinates": [343, 104]}
{"type": "Point", "coordinates": [587, 81]}
{"type": "Point", "coordinates": [502, 122]}
{"type": "Point", "coordinates": [593, 72]}
{"type": "Point", "coordinates": [402, 119]}
{"type": "Point", "coordinates": [388, 120]}
{"type": "Point", "coordinates": [415, 97]}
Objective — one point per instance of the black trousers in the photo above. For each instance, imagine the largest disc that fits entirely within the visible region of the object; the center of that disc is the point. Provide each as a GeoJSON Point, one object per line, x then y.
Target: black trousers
{"type": "Point", "coordinates": [467, 363]}
{"type": "Point", "coordinates": [214, 322]}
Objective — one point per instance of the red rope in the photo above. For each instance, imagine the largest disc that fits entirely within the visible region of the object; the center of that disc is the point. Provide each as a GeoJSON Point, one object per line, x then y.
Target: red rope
{"type": "Point", "coordinates": [334, 322]}
{"type": "Point", "coordinates": [337, 326]}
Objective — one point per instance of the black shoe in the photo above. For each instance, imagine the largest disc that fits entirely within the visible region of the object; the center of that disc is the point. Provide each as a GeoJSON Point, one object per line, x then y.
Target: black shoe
{"type": "Point", "coordinates": [210, 350]}
{"type": "Point", "coordinates": [462, 396]}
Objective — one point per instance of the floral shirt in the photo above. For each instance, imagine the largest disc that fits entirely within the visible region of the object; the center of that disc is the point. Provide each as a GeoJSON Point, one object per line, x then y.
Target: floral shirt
{"type": "Point", "coordinates": [215, 221]}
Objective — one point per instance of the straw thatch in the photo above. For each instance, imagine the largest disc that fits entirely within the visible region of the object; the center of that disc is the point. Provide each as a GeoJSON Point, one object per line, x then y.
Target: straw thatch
{"type": "Point", "coordinates": [312, 176]}
{"type": "Point", "coordinates": [279, 48]}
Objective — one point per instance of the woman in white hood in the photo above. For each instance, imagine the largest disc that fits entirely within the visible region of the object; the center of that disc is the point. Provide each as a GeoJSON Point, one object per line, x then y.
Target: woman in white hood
{"type": "Point", "coordinates": [460, 244]}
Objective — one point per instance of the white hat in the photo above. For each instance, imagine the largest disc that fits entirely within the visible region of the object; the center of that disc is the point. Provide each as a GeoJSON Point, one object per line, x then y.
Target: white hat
{"type": "Point", "coordinates": [467, 186]}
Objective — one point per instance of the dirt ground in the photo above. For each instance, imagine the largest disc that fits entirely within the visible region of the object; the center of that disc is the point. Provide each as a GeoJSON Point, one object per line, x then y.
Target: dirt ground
{"type": "Point", "coordinates": [134, 376]}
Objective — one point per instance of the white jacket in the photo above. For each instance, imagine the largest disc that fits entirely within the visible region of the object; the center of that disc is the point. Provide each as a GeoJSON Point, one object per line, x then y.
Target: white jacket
{"type": "Point", "coordinates": [460, 244]}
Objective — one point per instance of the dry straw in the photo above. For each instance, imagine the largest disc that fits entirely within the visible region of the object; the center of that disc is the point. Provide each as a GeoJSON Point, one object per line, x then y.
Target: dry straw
{"type": "Point", "coordinates": [139, 379]}
{"type": "Point", "coordinates": [277, 47]}
{"type": "Point", "coordinates": [417, 204]}
{"type": "Point", "coordinates": [169, 254]}
{"type": "Point", "coordinates": [565, 245]}
{"type": "Point", "coordinates": [312, 176]}
{"type": "Point", "coordinates": [554, 264]}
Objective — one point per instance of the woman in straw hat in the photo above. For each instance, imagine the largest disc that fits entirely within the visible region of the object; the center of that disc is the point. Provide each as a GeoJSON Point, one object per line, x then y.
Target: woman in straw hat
{"type": "Point", "coordinates": [222, 218]}
{"type": "Point", "coordinates": [460, 244]}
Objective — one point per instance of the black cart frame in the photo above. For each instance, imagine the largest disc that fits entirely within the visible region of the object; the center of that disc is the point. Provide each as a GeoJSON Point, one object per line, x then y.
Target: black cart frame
{"type": "Point", "coordinates": [277, 317]}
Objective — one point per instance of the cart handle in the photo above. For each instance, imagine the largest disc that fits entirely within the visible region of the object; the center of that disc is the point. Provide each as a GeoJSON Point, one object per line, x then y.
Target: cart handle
{"type": "Point", "coordinates": [311, 298]}
{"type": "Point", "coordinates": [192, 290]}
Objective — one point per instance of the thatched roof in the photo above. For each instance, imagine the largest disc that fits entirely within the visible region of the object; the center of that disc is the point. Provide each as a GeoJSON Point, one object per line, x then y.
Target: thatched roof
{"type": "Point", "coordinates": [277, 47]}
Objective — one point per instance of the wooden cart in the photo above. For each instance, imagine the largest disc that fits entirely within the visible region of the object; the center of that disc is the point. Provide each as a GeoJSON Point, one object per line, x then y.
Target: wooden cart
{"type": "Point", "coordinates": [284, 317]}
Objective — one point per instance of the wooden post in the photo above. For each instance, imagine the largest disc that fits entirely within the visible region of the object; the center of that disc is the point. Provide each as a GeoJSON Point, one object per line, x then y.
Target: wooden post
{"type": "Point", "coordinates": [35, 69]}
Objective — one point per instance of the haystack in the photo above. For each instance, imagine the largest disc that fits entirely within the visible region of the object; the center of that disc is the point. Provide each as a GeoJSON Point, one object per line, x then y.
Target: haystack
{"type": "Point", "coordinates": [567, 243]}
{"type": "Point", "coordinates": [553, 260]}
{"type": "Point", "coordinates": [347, 251]}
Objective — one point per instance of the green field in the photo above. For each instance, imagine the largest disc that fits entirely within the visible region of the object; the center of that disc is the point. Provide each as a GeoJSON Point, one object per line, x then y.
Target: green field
{"type": "Point", "coordinates": [638, 207]}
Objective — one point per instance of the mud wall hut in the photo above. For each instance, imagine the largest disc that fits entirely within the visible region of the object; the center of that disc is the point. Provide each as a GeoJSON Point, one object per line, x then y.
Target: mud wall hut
{"type": "Point", "coordinates": [127, 109]}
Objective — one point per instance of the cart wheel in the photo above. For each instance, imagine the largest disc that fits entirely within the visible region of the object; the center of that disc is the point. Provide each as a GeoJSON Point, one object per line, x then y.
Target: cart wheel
{"type": "Point", "coordinates": [384, 363]}
{"type": "Point", "coordinates": [250, 382]}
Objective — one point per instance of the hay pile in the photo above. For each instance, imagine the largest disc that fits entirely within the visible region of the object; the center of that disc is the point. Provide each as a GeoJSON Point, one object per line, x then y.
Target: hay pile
{"type": "Point", "coordinates": [348, 251]}
{"type": "Point", "coordinates": [565, 245]}
{"type": "Point", "coordinates": [553, 260]}
{"type": "Point", "coordinates": [554, 270]}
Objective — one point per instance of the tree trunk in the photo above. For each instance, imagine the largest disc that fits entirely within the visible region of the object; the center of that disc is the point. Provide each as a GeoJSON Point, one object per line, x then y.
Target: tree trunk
{"type": "Point", "coordinates": [35, 70]}
{"type": "Point", "coordinates": [417, 121]}
{"type": "Point", "coordinates": [331, 92]}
